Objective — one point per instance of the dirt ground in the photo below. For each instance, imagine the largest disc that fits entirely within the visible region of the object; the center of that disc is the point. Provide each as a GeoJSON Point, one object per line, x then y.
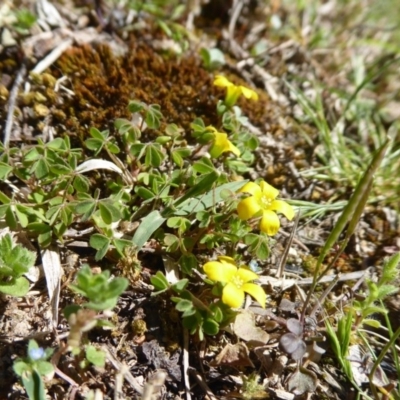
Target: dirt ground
{"type": "Point", "coordinates": [78, 67]}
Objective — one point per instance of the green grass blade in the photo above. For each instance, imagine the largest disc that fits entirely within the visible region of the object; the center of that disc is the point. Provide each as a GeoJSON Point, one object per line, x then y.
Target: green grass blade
{"type": "Point", "coordinates": [150, 223]}
{"type": "Point", "coordinates": [351, 213]}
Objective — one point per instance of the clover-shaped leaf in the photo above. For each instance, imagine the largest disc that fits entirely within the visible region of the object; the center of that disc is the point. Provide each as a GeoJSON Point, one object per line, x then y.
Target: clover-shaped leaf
{"type": "Point", "coordinates": [96, 357]}
{"type": "Point", "coordinates": [153, 116]}
{"type": "Point", "coordinates": [294, 326]}
{"type": "Point", "coordinates": [292, 342]}
{"type": "Point", "coordinates": [212, 58]}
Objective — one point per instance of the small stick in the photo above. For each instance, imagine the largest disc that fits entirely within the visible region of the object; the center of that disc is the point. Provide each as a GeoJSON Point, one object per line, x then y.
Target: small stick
{"type": "Point", "coordinates": [52, 56]}
{"type": "Point", "coordinates": [154, 385]}
{"type": "Point", "coordinates": [11, 104]}
{"type": "Point", "coordinates": [186, 363]}
{"type": "Point", "coordinates": [119, 366]}
{"type": "Point", "coordinates": [202, 384]}
{"type": "Point", "coordinates": [237, 8]}
{"type": "Point", "coordinates": [119, 380]}
{"type": "Point", "coordinates": [296, 174]}
{"type": "Point", "coordinates": [285, 254]}
{"type": "Point", "coordinates": [65, 377]}
{"type": "Point", "coordinates": [325, 293]}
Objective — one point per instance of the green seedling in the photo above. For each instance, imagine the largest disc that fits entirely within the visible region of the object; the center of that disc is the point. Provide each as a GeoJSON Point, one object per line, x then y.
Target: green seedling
{"type": "Point", "coordinates": [95, 357]}
{"type": "Point", "coordinates": [252, 389]}
{"type": "Point", "coordinates": [152, 113]}
{"type": "Point", "coordinates": [48, 161]}
{"type": "Point", "coordinates": [15, 261]}
{"type": "Point", "coordinates": [102, 292]}
{"type": "Point", "coordinates": [361, 312]}
{"type": "Point", "coordinates": [129, 130]}
{"type": "Point", "coordinates": [151, 153]}
{"type": "Point", "coordinates": [19, 20]}
{"type": "Point", "coordinates": [33, 368]}
{"type": "Point", "coordinates": [212, 58]}
{"type": "Point", "coordinates": [376, 293]}
{"type": "Point", "coordinates": [108, 209]}
{"type": "Point", "coordinates": [199, 318]}
{"type": "Point", "coordinates": [25, 21]}
{"type": "Point", "coordinates": [340, 341]}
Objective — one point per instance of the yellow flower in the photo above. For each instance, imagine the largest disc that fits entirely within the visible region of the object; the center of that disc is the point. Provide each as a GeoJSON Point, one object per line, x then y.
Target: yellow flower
{"type": "Point", "coordinates": [236, 281]}
{"type": "Point", "coordinates": [222, 144]}
{"type": "Point", "coordinates": [233, 91]}
{"type": "Point", "coordinates": [263, 202]}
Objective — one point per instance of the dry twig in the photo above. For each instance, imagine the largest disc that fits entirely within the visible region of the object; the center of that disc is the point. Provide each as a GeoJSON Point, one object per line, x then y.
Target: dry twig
{"type": "Point", "coordinates": [120, 366]}
{"type": "Point", "coordinates": [11, 104]}
{"type": "Point", "coordinates": [186, 363]}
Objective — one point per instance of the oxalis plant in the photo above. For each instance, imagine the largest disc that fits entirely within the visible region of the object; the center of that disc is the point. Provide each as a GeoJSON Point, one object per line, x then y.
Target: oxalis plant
{"type": "Point", "coordinates": [227, 280]}
{"type": "Point", "coordinates": [192, 197]}
{"type": "Point", "coordinates": [184, 194]}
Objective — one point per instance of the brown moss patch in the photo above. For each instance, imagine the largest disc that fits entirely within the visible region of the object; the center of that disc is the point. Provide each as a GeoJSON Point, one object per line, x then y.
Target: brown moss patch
{"type": "Point", "coordinates": [103, 85]}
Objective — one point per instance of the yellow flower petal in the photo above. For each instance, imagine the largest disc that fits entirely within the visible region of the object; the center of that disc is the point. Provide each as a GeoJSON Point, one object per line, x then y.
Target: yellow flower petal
{"type": "Point", "coordinates": [226, 260]}
{"type": "Point", "coordinates": [232, 94]}
{"type": "Point", "coordinates": [268, 191]}
{"type": "Point", "coordinates": [219, 271]}
{"type": "Point", "coordinates": [285, 208]}
{"type": "Point", "coordinates": [257, 292]}
{"type": "Point", "coordinates": [219, 144]}
{"type": "Point", "coordinates": [220, 139]}
{"type": "Point", "coordinates": [247, 208]}
{"type": "Point", "coordinates": [222, 144]}
{"type": "Point", "coordinates": [269, 223]}
{"type": "Point", "coordinates": [232, 295]}
{"type": "Point", "coordinates": [215, 151]}
{"type": "Point", "coordinates": [222, 81]}
{"type": "Point", "coordinates": [232, 148]}
{"type": "Point", "coordinates": [251, 188]}
{"type": "Point", "coordinates": [246, 275]}
{"type": "Point", "coordinates": [249, 93]}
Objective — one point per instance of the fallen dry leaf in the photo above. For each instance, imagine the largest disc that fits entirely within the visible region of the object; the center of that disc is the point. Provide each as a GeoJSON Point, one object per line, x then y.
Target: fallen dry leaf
{"type": "Point", "coordinates": [245, 328]}
{"type": "Point", "coordinates": [302, 381]}
{"type": "Point", "coordinates": [53, 272]}
{"type": "Point", "coordinates": [236, 355]}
